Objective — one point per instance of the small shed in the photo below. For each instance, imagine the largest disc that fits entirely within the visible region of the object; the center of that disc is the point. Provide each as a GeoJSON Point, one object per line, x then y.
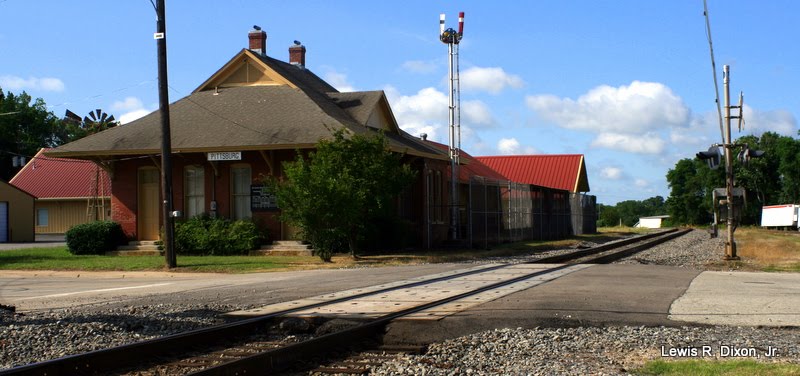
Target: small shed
{"type": "Point", "coordinates": [651, 222]}
{"type": "Point", "coordinates": [16, 214]}
{"type": "Point", "coordinates": [83, 192]}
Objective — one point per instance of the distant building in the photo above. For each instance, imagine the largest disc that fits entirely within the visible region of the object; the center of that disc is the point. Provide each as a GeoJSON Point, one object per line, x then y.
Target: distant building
{"type": "Point", "coordinates": [651, 222]}
{"type": "Point", "coordinates": [565, 172]}
{"type": "Point", "coordinates": [16, 214]}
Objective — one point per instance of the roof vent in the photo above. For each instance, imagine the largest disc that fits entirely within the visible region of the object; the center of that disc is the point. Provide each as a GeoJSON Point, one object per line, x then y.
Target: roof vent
{"type": "Point", "coordinates": [423, 136]}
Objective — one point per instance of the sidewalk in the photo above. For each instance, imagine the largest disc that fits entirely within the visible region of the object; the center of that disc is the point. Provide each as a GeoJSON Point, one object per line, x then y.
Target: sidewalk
{"type": "Point", "coordinates": [740, 298]}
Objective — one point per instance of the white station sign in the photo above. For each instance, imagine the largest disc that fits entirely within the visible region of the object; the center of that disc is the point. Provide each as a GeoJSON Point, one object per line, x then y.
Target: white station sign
{"type": "Point", "coordinates": [225, 156]}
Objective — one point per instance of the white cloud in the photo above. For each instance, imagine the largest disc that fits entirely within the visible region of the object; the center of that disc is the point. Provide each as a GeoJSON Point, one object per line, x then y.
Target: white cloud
{"type": "Point", "coordinates": [339, 81]}
{"type": "Point", "coordinates": [641, 183]}
{"type": "Point", "coordinates": [757, 122]}
{"type": "Point", "coordinates": [15, 83]}
{"type": "Point", "coordinates": [127, 104]}
{"type": "Point", "coordinates": [476, 113]}
{"type": "Point", "coordinates": [637, 108]}
{"type": "Point", "coordinates": [611, 173]}
{"type": "Point", "coordinates": [644, 144]}
{"type": "Point", "coordinates": [493, 80]}
{"type": "Point", "coordinates": [132, 115]}
{"type": "Point", "coordinates": [132, 109]}
{"type": "Point", "coordinates": [427, 112]}
{"type": "Point", "coordinates": [419, 66]}
{"type": "Point", "coordinates": [510, 146]}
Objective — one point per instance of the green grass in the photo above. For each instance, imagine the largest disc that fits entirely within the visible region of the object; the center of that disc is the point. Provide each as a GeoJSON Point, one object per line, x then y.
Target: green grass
{"type": "Point", "coordinates": [59, 258]}
{"type": "Point", "coordinates": [714, 368]}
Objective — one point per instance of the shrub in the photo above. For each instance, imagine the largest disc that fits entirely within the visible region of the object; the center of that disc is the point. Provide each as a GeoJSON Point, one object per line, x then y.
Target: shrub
{"type": "Point", "coordinates": [95, 238]}
{"type": "Point", "coordinates": [203, 235]}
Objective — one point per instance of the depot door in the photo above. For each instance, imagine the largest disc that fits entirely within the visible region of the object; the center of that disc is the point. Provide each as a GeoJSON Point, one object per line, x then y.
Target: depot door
{"type": "Point", "coordinates": [148, 213]}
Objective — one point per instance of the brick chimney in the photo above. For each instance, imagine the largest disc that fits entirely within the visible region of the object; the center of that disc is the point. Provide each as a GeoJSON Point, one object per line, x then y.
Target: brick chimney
{"type": "Point", "coordinates": [297, 54]}
{"type": "Point", "coordinates": [258, 40]}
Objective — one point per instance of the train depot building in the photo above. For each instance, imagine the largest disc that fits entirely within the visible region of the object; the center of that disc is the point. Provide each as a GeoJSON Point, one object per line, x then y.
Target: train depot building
{"type": "Point", "coordinates": [256, 112]}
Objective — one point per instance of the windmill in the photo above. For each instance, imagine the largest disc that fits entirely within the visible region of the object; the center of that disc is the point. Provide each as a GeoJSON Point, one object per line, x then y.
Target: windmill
{"type": "Point", "coordinates": [98, 121]}
{"type": "Point", "coordinates": [95, 122]}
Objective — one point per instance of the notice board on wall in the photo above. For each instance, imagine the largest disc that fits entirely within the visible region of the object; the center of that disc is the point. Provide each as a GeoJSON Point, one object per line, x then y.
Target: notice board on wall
{"type": "Point", "coordinates": [262, 199]}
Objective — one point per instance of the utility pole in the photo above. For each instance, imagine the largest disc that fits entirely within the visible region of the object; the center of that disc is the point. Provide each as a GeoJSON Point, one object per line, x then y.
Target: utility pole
{"type": "Point", "coordinates": [730, 243]}
{"type": "Point", "coordinates": [166, 142]}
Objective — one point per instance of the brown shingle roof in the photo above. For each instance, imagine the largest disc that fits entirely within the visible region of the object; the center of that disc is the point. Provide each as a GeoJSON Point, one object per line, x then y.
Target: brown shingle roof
{"type": "Point", "coordinates": [246, 118]}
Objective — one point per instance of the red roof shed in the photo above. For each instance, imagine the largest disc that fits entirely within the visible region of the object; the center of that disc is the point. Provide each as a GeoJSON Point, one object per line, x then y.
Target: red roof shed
{"type": "Point", "coordinates": [46, 177]}
{"type": "Point", "coordinates": [559, 171]}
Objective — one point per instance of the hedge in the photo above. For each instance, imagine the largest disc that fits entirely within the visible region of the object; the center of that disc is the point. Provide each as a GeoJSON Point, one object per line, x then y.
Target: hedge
{"type": "Point", "coordinates": [95, 238]}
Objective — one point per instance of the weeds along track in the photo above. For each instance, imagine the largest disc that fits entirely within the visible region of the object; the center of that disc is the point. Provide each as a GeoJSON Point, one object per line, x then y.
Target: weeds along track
{"type": "Point", "coordinates": [248, 347]}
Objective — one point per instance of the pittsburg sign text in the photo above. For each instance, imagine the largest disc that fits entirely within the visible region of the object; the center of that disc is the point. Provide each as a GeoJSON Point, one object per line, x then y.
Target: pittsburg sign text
{"type": "Point", "coordinates": [225, 156]}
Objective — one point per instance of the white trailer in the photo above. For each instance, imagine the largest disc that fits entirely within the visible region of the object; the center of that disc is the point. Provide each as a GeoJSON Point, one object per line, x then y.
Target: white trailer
{"type": "Point", "coordinates": [780, 216]}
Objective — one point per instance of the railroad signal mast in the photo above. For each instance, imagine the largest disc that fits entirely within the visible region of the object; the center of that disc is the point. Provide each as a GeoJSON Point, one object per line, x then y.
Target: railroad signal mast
{"type": "Point", "coordinates": [452, 38]}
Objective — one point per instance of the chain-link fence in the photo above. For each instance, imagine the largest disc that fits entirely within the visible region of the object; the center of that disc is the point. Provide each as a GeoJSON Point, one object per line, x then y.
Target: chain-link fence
{"type": "Point", "coordinates": [498, 211]}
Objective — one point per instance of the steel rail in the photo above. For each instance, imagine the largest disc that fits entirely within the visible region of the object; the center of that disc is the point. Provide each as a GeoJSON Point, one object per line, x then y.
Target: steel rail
{"type": "Point", "coordinates": [115, 358]}
{"type": "Point", "coordinates": [280, 359]}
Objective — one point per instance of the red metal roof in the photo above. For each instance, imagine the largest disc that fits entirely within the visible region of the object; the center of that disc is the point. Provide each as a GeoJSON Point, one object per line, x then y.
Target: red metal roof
{"type": "Point", "coordinates": [470, 166]}
{"type": "Point", "coordinates": [559, 171]}
{"type": "Point", "coordinates": [46, 177]}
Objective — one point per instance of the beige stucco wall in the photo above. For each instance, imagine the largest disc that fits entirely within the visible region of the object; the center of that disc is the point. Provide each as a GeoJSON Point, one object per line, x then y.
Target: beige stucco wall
{"type": "Point", "coordinates": [20, 213]}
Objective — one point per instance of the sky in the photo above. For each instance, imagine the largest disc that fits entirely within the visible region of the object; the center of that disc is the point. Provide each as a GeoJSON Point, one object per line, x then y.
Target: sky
{"type": "Point", "coordinates": [627, 83]}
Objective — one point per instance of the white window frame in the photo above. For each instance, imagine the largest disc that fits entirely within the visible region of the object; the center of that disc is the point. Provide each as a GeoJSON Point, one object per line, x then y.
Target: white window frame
{"type": "Point", "coordinates": [194, 195]}
{"type": "Point", "coordinates": [240, 198]}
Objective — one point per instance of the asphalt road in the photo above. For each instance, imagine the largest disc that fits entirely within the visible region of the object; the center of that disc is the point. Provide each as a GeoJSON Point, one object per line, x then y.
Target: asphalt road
{"type": "Point", "coordinates": [41, 241]}
{"type": "Point", "coordinates": [599, 295]}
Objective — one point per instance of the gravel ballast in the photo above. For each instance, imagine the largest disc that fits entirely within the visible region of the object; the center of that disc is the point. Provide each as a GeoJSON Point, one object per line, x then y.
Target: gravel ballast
{"type": "Point", "coordinates": [39, 336]}
{"type": "Point", "coordinates": [588, 351]}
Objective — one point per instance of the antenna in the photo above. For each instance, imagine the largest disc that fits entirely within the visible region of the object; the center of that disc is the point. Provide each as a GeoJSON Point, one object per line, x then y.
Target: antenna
{"type": "Point", "coordinates": [451, 38]}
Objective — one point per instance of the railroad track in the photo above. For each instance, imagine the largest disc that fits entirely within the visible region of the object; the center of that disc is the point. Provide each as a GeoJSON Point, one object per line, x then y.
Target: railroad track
{"type": "Point", "coordinates": [246, 347]}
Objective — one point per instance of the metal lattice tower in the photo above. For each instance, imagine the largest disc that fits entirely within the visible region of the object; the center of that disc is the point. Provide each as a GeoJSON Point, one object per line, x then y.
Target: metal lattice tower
{"type": "Point", "coordinates": [452, 38]}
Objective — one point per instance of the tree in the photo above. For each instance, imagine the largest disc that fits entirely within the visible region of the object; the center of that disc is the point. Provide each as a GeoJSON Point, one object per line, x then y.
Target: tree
{"type": "Point", "coordinates": [772, 179]}
{"type": "Point", "coordinates": [691, 183]}
{"type": "Point", "coordinates": [628, 212]}
{"type": "Point", "coordinates": [25, 127]}
{"type": "Point", "coordinates": [607, 216]}
{"type": "Point", "coordinates": [334, 195]}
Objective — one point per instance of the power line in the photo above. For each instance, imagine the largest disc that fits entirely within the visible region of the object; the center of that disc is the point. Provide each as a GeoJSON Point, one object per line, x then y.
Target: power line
{"type": "Point", "coordinates": [69, 160]}
{"type": "Point", "coordinates": [101, 95]}
{"type": "Point", "coordinates": [713, 68]}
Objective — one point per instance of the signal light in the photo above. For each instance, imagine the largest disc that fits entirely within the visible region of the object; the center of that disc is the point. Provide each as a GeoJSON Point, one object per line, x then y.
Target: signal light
{"type": "Point", "coordinates": [747, 153]}
{"type": "Point", "coordinates": [712, 157]}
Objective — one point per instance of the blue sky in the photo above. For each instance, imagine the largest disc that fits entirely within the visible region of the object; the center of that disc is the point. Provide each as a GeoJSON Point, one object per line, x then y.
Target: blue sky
{"type": "Point", "coordinates": [627, 83]}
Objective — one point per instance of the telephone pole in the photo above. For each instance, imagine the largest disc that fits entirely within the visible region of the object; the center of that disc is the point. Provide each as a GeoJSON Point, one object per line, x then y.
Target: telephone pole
{"type": "Point", "coordinates": [166, 138]}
